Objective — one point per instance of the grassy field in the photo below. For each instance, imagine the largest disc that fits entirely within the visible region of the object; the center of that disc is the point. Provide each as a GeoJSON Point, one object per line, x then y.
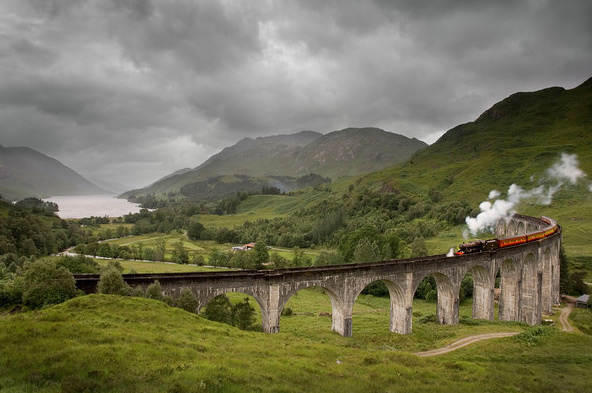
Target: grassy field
{"type": "Point", "coordinates": [157, 267]}
{"type": "Point", "coordinates": [194, 247]}
{"type": "Point", "coordinates": [264, 207]}
{"type": "Point", "coordinates": [103, 343]}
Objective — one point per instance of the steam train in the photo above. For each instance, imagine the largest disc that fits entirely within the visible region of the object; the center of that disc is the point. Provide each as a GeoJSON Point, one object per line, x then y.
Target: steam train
{"type": "Point", "coordinates": [493, 244]}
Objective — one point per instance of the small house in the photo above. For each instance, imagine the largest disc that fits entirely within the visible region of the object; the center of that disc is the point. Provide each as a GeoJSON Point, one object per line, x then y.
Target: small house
{"type": "Point", "coordinates": [582, 301]}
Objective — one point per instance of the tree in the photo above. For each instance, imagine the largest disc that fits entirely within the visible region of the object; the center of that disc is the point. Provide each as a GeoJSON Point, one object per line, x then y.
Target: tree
{"type": "Point", "coordinates": [46, 284]}
{"type": "Point", "coordinates": [326, 258]}
{"type": "Point", "coordinates": [427, 289]}
{"type": "Point", "coordinates": [161, 248]}
{"type": "Point", "coordinates": [195, 231]}
{"type": "Point", "coordinates": [91, 248]}
{"type": "Point", "coordinates": [111, 282]}
{"type": "Point", "coordinates": [218, 258]}
{"type": "Point", "coordinates": [78, 264]}
{"type": "Point", "coordinates": [180, 254]}
{"type": "Point", "coordinates": [243, 315]}
{"type": "Point", "coordinates": [105, 250]}
{"type": "Point", "coordinates": [154, 291]}
{"type": "Point", "coordinates": [466, 288]}
{"type": "Point", "coordinates": [261, 255]}
{"type": "Point", "coordinates": [418, 248]}
{"type": "Point", "coordinates": [366, 251]}
{"type": "Point", "coordinates": [187, 300]}
{"type": "Point", "coordinates": [278, 261]}
{"type": "Point", "coordinates": [300, 259]}
{"type": "Point", "coordinates": [219, 309]}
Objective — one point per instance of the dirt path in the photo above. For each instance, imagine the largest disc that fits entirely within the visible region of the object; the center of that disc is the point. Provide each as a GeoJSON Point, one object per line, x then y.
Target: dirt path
{"type": "Point", "coordinates": [463, 342]}
{"type": "Point", "coordinates": [569, 305]}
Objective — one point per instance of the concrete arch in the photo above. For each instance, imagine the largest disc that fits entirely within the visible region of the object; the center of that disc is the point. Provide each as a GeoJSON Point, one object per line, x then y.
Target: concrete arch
{"type": "Point", "coordinates": [509, 290]}
{"type": "Point", "coordinates": [447, 308]}
{"type": "Point", "coordinates": [401, 310]}
{"type": "Point", "coordinates": [341, 320]}
{"type": "Point", "coordinates": [501, 228]}
{"type": "Point", "coordinates": [245, 291]}
{"type": "Point", "coordinates": [512, 228]}
{"type": "Point", "coordinates": [521, 228]}
{"type": "Point", "coordinates": [205, 299]}
{"type": "Point", "coordinates": [483, 292]}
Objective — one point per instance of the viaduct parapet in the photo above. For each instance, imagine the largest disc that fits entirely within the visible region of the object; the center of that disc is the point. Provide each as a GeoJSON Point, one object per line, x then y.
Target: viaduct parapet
{"type": "Point", "coordinates": [528, 286]}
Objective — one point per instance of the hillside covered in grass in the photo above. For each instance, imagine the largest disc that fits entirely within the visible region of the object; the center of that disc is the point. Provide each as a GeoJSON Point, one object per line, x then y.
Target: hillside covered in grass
{"type": "Point", "coordinates": [514, 141]}
{"type": "Point", "coordinates": [106, 343]}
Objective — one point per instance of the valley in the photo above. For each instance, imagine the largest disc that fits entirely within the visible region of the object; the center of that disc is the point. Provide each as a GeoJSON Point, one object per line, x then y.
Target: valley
{"type": "Point", "coordinates": [414, 208]}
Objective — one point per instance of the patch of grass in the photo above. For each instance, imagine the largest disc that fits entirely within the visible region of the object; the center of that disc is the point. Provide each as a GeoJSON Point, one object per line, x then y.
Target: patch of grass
{"type": "Point", "coordinates": [105, 343]}
{"type": "Point", "coordinates": [581, 318]}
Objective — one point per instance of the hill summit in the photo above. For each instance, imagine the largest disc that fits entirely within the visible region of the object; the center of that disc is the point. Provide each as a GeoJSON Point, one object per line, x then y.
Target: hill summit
{"type": "Point", "coordinates": [348, 152]}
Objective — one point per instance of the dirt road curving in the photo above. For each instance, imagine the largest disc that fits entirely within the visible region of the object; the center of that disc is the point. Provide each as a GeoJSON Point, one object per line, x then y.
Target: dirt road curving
{"type": "Point", "coordinates": [463, 342]}
{"type": "Point", "coordinates": [569, 305]}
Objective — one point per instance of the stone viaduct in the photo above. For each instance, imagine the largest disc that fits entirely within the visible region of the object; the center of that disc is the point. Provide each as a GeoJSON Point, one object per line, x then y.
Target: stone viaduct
{"type": "Point", "coordinates": [528, 285]}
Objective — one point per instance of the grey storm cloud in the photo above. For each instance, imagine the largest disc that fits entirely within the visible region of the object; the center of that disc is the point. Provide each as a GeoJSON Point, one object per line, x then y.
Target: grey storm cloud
{"type": "Point", "coordinates": [129, 91]}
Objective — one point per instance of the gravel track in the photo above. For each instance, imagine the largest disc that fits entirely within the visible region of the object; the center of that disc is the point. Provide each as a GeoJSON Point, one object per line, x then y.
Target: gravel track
{"type": "Point", "coordinates": [463, 342]}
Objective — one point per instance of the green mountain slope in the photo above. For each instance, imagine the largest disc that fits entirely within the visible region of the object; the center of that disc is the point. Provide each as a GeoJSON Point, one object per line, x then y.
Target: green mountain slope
{"type": "Point", "coordinates": [25, 172]}
{"type": "Point", "coordinates": [515, 141]}
{"type": "Point", "coordinates": [352, 151]}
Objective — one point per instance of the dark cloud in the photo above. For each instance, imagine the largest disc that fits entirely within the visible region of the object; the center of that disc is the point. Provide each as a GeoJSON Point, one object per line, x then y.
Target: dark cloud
{"type": "Point", "coordinates": [131, 90]}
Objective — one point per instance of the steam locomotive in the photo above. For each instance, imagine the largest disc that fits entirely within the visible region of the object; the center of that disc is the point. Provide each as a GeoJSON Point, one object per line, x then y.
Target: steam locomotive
{"type": "Point", "coordinates": [493, 244]}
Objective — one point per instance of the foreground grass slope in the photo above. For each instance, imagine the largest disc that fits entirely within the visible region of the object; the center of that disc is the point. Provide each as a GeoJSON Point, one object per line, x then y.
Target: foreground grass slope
{"type": "Point", "coordinates": [105, 343]}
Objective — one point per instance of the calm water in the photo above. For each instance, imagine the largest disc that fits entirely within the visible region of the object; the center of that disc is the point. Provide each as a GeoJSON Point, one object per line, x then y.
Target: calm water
{"type": "Point", "coordinates": [80, 206]}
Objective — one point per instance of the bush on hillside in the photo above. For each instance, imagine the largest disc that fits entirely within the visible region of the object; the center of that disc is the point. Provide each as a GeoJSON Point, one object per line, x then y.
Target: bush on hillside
{"type": "Point", "coordinates": [187, 300]}
{"type": "Point", "coordinates": [111, 282]}
{"type": "Point", "coordinates": [46, 283]}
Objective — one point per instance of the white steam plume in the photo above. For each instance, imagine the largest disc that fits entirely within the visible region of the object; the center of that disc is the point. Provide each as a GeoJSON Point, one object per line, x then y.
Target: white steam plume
{"type": "Point", "coordinates": [494, 194]}
{"type": "Point", "coordinates": [565, 170]}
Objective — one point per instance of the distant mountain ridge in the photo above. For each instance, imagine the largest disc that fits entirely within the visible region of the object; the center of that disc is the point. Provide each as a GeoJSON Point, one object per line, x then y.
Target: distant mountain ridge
{"type": "Point", "coordinates": [25, 172]}
{"type": "Point", "coordinates": [352, 151]}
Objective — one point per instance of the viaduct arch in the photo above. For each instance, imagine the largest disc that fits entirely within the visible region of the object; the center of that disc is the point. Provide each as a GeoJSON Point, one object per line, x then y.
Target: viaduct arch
{"type": "Point", "coordinates": [529, 283]}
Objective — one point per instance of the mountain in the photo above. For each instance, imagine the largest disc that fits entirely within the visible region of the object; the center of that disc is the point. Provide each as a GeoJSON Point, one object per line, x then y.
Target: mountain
{"type": "Point", "coordinates": [26, 172]}
{"type": "Point", "coordinates": [354, 151]}
{"type": "Point", "coordinates": [351, 151]}
{"type": "Point", "coordinates": [514, 141]}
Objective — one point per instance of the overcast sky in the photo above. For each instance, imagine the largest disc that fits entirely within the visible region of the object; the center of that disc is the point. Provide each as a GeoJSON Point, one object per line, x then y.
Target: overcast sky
{"type": "Point", "coordinates": [130, 91]}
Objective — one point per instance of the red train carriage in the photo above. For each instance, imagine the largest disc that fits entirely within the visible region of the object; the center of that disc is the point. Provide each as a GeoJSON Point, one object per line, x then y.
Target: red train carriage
{"type": "Point", "coordinates": [492, 244]}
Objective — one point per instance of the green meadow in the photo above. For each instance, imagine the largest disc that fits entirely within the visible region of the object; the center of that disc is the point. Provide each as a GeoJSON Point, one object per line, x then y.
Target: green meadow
{"type": "Point", "coordinates": [106, 343]}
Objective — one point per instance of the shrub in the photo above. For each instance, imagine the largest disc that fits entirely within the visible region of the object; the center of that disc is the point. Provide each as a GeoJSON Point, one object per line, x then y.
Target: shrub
{"type": "Point", "coordinates": [187, 300]}
{"type": "Point", "coordinates": [45, 284]}
{"type": "Point", "coordinates": [219, 309]}
{"type": "Point", "coordinates": [243, 315]}
{"type": "Point", "coordinates": [287, 311]}
{"type": "Point", "coordinates": [154, 291]}
{"type": "Point", "coordinates": [111, 282]}
{"type": "Point", "coordinates": [78, 264]}
{"type": "Point", "coordinates": [533, 335]}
